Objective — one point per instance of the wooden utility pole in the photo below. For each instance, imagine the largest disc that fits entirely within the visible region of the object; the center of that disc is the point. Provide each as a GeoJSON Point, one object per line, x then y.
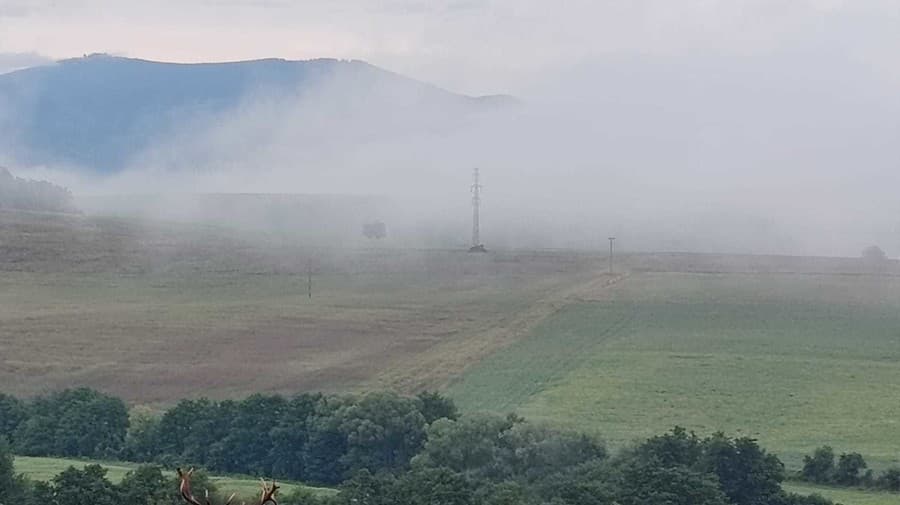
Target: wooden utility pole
{"type": "Point", "coordinates": [611, 240]}
{"type": "Point", "coordinates": [309, 278]}
{"type": "Point", "coordinates": [476, 202]}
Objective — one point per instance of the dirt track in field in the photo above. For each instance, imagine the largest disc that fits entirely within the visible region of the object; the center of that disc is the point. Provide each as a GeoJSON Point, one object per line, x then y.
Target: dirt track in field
{"type": "Point", "coordinates": [438, 366]}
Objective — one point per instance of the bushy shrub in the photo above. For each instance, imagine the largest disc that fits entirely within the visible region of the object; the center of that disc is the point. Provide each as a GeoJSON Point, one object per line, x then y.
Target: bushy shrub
{"type": "Point", "coordinates": [849, 470]}
{"type": "Point", "coordinates": [889, 480]}
{"type": "Point", "coordinates": [819, 467]}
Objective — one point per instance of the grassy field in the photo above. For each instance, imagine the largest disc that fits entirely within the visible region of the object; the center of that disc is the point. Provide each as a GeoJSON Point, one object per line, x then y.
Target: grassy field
{"type": "Point", "coordinates": [154, 312]}
{"type": "Point", "coordinates": [846, 496]}
{"type": "Point", "coordinates": [795, 352]}
{"type": "Point", "coordinates": [44, 469]}
{"type": "Point", "coordinates": [796, 361]}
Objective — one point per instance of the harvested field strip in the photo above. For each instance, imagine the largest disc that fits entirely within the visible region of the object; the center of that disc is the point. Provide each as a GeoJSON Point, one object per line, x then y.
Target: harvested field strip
{"type": "Point", "coordinates": [443, 364]}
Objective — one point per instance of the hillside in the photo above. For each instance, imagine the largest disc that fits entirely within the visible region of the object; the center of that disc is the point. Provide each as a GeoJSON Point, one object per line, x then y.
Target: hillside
{"type": "Point", "coordinates": [791, 359]}
{"type": "Point", "coordinates": [99, 112]}
{"type": "Point", "coordinates": [25, 194]}
{"type": "Point", "coordinates": [128, 306]}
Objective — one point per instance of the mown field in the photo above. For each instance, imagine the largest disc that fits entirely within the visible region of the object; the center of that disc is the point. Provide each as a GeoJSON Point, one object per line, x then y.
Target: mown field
{"type": "Point", "coordinates": [154, 312]}
{"type": "Point", "coordinates": [796, 361]}
{"type": "Point", "coordinates": [795, 352]}
{"type": "Point", "coordinates": [44, 469]}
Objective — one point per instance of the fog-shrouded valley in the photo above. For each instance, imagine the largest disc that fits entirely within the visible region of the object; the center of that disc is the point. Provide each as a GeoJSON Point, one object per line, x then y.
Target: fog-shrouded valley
{"type": "Point", "coordinates": [688, 165]}
{"type": "Point", "coordinates": [449, 253]}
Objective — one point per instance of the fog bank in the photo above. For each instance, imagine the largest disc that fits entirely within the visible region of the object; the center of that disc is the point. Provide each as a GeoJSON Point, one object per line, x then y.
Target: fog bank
{"type": "Point", "coordinates": [790, 152]}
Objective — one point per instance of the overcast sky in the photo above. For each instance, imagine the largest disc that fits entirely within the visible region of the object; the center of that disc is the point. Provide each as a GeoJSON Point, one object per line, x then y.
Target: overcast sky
{"type": "Point", "coordinates": [472, 46]}
{"type": "Point", "coordinates": [780, 115]}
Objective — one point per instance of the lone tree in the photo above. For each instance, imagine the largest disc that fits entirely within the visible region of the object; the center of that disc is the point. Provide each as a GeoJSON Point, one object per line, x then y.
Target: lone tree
{"type": "Point", "coordinates": [874, 259]}
{"type": "Point", "coordinates": [819, 467]}
{"type": "Point", "coordinates": [375, 230]}
{"type": "Point", "coordinates": [874, 254]}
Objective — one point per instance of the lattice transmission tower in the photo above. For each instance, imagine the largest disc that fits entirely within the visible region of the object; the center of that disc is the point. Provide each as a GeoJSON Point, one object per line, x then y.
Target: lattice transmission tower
{"type": "Point", "coordinates": [477, 246]}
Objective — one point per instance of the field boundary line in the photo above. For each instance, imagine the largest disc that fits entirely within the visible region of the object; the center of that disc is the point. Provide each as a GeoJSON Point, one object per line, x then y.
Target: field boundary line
{"type": "Point", "coordinates": [445, 362]}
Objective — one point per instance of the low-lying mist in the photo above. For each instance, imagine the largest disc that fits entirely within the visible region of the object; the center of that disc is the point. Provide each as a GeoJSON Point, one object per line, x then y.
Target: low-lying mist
{"type": "Point", "coordinates": [787, 153]}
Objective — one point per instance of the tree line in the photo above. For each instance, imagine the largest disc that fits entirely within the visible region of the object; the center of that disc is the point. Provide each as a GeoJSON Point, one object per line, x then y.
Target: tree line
{"type": "Point", "coordinates": [145, 485]}
{"type": "Point", "coordinates": [377, 449]}
{"type": "Point", "coordinates": [848, 470]}
{"type": "Point", "coordinates": [26, 194]}
{"type": "Point", "coordinates": [315, 438]}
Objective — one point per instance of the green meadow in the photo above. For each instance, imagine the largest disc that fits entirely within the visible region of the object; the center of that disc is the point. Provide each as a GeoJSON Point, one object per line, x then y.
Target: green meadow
{"type": "Point", "coordinates": [846, 496]}
{"type": "Point", "coordinates": [44, 469]}
{"type": "Point", "coordinates": [796, 361]}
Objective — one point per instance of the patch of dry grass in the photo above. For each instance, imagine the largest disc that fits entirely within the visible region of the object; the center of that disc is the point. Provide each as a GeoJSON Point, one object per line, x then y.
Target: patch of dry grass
{"type": "Point", "coordinates": [154, 312]}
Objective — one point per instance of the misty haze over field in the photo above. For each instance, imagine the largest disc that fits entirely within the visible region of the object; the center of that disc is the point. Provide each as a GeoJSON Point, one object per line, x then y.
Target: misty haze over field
{"type": "Point", "coordinates": [746, 127]}
{"type": "Point", "coordinates": [456, 252]}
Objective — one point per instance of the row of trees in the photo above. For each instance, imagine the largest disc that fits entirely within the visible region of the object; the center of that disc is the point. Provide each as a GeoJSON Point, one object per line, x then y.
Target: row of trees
{"type": "Point", "coordinates": [146, 485]}
{"type": "Point", "coordinates": [310, 437]}
{"type": "Point", "coordinates": [74, 423]}
{"type": "Point", "coordinates": [25, 194]}
{"type": "Point", "coordinates": [849, 469]}
{"type": "Point", "coordinates": [496, 461]}
{"type": "Point", "coordinates": [379, 449]}
{"type": "Point", "coordinates": [485, 461]}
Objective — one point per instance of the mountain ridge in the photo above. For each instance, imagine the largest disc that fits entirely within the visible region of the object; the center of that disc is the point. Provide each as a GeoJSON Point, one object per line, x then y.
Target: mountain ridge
{"type": "Point", "coordinates": [99, 111]}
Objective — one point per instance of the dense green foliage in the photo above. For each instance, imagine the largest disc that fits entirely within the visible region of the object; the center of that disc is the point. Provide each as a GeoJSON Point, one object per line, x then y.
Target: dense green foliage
{"type": "Point", "coordinates": [314, 438]}
{"type": "Point", "coordinates": [12, 414]}
{"type": "Point", "coordinates": [382, 448]}
{"type": "Point", "coordinates": [12, 488]}
{"type": "Point", "coordinates": [146, 485]}
{"type": "Point", "coordinates": [75, 422]}
{"type": "Point", "coordinates": [311, 437]}
{"type": "Point", "coordinates": [850, 469]}
{"type": "Point", "coordinates": [494, 460]}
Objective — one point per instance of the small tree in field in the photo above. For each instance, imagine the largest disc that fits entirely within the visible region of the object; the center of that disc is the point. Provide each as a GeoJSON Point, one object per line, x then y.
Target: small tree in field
{"type": "Point", "coordinates": [375, 230]}
{"type": "Point", "coordinates": [874, 254]}
{"type": "Point", "coordinates": [874, 258]}
{"type": "Point", "coordinates": [820, 466]}
{"type": "Point", "coordinates": [849, 471]}
{"type": "Point", "coordinates": [890, 479]}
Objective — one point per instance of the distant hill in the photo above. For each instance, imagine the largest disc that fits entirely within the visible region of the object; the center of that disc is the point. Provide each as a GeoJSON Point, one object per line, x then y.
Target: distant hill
{"type": "Point", "coordinates": [99, 111]}
{"type": "Point", "coordinates": [25, 194]}
{"type": "Point", "coordinates": [316, 219]}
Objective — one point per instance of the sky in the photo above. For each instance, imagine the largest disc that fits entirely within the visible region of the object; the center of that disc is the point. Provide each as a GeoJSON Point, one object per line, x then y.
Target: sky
{"type": "Point", "coordinates": [750, 126]}
{"type": "Point", "coordinates": [470, 46]}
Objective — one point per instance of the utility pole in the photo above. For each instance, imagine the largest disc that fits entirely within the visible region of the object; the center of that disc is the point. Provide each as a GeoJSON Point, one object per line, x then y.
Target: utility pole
{"type": "Point", "coordinates": [611, 240]}
{"type": "Point", "coordinates": [477, 246]}
{"type": "Point", "coordinates": [476, 202]}
{"type": "Point", "coordinates": [309, 278]}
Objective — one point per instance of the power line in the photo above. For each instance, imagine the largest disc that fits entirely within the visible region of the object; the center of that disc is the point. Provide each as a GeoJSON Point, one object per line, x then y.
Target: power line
{"type": "Point", "coordinates": [477, 246]}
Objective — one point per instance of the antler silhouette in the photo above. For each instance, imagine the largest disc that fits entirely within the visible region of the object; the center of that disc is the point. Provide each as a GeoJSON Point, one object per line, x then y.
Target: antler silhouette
{"type": "Point", "coordinates": [267, 496]}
